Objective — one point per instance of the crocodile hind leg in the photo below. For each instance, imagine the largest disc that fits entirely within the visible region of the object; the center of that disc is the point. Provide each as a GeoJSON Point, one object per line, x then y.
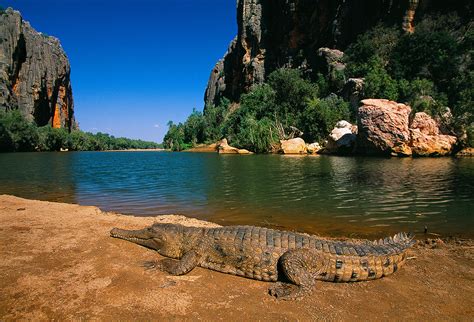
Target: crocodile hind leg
{"type": "Point", "coordinates": [182, 266]}
{"type": "Point", "coordinates": [300, 266]}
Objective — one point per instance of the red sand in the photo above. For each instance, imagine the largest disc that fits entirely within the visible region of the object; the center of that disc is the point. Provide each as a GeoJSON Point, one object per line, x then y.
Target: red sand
{"type": "Point", "coordinates": [58, 262]}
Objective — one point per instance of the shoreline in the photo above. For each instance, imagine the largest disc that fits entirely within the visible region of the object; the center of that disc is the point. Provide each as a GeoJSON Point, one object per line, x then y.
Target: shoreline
{"type": "Point", "coordinates": [58, 262]}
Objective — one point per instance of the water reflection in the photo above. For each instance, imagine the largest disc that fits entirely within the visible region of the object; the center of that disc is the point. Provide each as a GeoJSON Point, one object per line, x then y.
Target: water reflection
{"type": "Point", "coordinates": [326, 195]}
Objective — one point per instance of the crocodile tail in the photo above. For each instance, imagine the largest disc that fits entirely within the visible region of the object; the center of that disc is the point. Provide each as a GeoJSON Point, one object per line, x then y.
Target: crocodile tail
{"type": "Point", "coordinates": [401, 239]}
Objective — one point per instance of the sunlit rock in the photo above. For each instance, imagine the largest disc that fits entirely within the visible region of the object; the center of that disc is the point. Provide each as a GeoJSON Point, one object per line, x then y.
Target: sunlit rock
{"type": "Point", "coordinates": [313, 148]}
{"type": "Point", "coordinates": [224, 148]}
{"type": "Point", "coordinates": [342, 138]}
{"type": "Point", "coordinates": [426, 139]}
{"type": "Point", "coordinates": [293, 146]}
{"type": "Point", "coordinates": [383, 128]}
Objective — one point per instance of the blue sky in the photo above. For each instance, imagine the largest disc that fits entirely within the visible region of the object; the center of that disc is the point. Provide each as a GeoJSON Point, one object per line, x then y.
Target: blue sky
{"type": "Point", "coordinates": [137, 64]}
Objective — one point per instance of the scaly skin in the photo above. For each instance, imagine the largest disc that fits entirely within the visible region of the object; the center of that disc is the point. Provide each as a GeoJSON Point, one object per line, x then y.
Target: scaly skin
{"type": "Point", "coordinates": [263, 254]}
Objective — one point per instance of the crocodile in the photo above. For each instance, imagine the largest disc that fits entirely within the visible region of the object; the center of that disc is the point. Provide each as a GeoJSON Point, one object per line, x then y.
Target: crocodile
{"type": "Point", "coordinates": [294, 261]}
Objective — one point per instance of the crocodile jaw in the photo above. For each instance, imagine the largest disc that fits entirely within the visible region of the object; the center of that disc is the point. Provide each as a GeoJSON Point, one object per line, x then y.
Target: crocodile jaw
{"type": "Point", "coordinates": [140, 237]}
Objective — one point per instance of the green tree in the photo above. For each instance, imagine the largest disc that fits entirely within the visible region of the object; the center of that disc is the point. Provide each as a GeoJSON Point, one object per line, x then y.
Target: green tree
{"type": "Point", "coordinates": [51, 139]}
{"type": "Point", "coordinates": [18, 133]}
{"type": "Point", "coordinates": [174, 138]}
{"type": "Point", "coordinates": [291, 94]}
{"type": "Point", "coordinates": [194, 128]}
{"type": "Point", "coordinates": [322, 115]}
{"type": "Point", "coordinates": [376, 45]}
{"type": "Point", "coordinates": [379, 84]}
{"type": "Point", "coordinates": [255, 135]}
{"type": "Point", "coordinates": [80, 141]}
{"type": "Point", "coordinates": [260, 101]}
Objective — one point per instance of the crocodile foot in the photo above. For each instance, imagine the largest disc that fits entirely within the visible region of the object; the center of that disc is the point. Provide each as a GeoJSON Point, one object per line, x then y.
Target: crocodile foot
{"type": "Point", "coordinates": [151, 265]}
{"type": "Point", "coordinates": [285, 291]}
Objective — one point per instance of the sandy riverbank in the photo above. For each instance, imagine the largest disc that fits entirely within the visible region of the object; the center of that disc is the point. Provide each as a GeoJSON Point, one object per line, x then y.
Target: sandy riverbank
{"type": "Point", "coordinates": [58, 262]}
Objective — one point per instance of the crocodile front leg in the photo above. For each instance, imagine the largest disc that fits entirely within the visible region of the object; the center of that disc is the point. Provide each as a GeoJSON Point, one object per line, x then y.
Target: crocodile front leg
{"type": "Point", "coordinates": [300, 266]}
{"type": "Point", "coordinates": [187, 263]}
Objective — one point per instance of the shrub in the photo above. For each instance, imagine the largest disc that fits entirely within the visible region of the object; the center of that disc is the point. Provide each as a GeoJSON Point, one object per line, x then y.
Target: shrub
{"type": "Point", "coordinates": [376, 44]}
{"type": "Point", "coordinates": [291, 94]}
{"type": "Point", "coordinates": [255, 135]}
{"type": "Point", "coordinates": [213, 119]}
{"type": "Point", "coordinates": [17, 132]}
{"type": "Point", "coordinates": [51, 139]}
{"type": "Point", "coordinates": [194, 128]}
{"type": "Point", "coordinates": [322, 115]}
{"type": "Point", "coordinates": [174, 138]}
{"type": "Point", "coordinates": [379, 84]}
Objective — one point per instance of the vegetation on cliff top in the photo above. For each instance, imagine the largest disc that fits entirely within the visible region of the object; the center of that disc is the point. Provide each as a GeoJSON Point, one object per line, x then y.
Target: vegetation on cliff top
{"type": "Point", "coordinates": [17, 134]}
{"type": "Point", "coordinates": [430, 70]}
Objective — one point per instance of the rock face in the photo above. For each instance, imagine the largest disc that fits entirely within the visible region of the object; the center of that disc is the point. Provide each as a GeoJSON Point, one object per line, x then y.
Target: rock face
{"type": "Point", "coordinates": [383, 127]}
{"type": "Point", "coordinates": [342, 138]}
{"type": "Point", "coordinates": [293, 146]}
{"type": "Point", "coordinates": [425, 139]}
{"type": "Point", "coordinates": [288, 33]}
{"type": "Point", "coordinates": [34, 74]}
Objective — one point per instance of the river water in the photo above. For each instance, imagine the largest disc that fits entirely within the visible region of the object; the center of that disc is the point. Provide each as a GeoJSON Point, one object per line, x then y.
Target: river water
{"type": "Point", "coordinates": [327, 195]}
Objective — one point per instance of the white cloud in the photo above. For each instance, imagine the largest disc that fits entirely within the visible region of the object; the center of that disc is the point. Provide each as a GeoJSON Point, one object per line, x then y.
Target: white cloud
{"type": "Point", "coordinates": [156, 125]}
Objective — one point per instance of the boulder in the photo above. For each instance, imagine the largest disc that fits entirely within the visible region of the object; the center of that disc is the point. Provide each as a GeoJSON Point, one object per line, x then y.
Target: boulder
{"type": "Point", "coordinates": [426, 139]}
{"type": "Point", "coordinates": [332, 65]}
{"type": "Point", "coordinates": [293, 146]}
{"type": "Point", "coordinates": [425, 124]}
{"type": "Point", "coordinates": [342, 138]}
{"type": "Point", "coordinates": [313, 148]}
{"type": "Point", "coordinates": [332, 58]}
{"type": "Point", "coordinates": [383, 128]}
{"type": "Point", "coordinates": [353, 92]}
{"type": "Point", "coordinates": [431, 145]}
{"type": "Point", "coordinates": [466, 152]}
{"type": "Point", "coordinates": [224, 148]}
{"type": "Point", "coordinates": [244, 151]}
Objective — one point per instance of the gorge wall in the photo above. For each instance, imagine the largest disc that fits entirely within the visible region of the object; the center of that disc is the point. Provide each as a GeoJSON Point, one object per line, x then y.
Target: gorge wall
{"type": "Point", "coordinates": [288, 33]}
{"type": "Point", "coordinates": [34, 74]}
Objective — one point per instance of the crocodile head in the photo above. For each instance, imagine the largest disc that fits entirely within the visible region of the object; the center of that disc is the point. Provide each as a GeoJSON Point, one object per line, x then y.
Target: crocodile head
{"type": "Point", "coordinates": [166, 239]}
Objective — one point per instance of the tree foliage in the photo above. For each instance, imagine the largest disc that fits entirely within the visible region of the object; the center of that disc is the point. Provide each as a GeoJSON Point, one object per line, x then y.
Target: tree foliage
{"type": "Point", "coordinates": [17, 134]}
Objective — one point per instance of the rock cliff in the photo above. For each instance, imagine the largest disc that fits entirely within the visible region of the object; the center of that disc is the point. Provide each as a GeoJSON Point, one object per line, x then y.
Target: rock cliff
{"type": "Point", "coordinates": [288, 33]}
{"type": "Point", "coordinates": [34, 74]}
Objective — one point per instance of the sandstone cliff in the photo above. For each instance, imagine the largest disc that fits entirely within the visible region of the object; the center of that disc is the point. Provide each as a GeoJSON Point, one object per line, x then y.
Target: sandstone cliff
{"type": "Point", "coordinates": [34, 74]}
{"type": "Point", "coordinates": [288, 33]}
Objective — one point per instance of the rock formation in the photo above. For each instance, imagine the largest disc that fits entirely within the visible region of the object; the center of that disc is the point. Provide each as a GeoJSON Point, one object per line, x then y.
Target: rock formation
{"type": "Point", "coordinates": [293, 146]}
{"type": "Point", "coordinates": [313, 148]}
{"type": "Point", "coordinates": [34, 74]}
{"type": "Point", "coordinates": [342, 138]}
{"type": "Point", "coordinates": [224, 148]}
{"type": "Point", "coordinates": [288, 33]}
{"type": "Point", "coordinates": [353, 92]}
{"type": "Point", "coordinates": [384, 128]}
{"type": "Point", "coordinates": [425, 137]}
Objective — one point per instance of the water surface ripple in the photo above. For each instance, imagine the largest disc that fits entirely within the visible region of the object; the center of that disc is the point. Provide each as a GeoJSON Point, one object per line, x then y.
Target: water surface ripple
{"type": "Point", "coordinates": [327, 195]}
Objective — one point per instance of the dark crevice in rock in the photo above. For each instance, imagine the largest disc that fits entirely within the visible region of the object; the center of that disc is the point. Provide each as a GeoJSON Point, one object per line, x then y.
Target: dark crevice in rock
{"type": "Point", "coordinates": [42, 110]}
{"type": "Point", "coordinates": [19, 57]}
